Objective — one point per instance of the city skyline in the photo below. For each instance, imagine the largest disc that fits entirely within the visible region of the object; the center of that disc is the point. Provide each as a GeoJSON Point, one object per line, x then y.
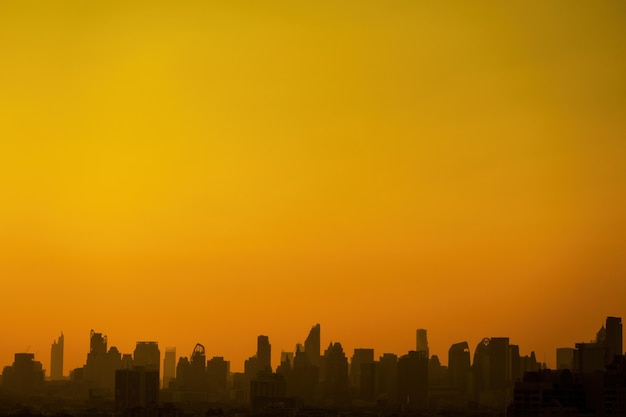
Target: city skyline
{"type": "Point", "coordinates": [550, 360]}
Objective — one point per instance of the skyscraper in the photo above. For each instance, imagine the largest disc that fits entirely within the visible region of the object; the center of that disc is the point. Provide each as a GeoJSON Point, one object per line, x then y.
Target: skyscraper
{"type": "Point", "coordinates": [264, 354]}
{"type": "Point", "coordinates": [413, 380]}
{"type": "Point", "coordinates": [422, 342]}
{"type": "Point", "coordinates": [56, 359]}
{"type": "Point", "coordinates": [613, 338]}
{"type": "Point", "coordinates": [169, 366]}
{"type": "Point", "coordinates": [337, 380]}
{"type": "Point", "coordinates": [312, 346]}
{"type": "Point", "coordinates": [459, 366]}
{"type": "Point", "coordinates": [148, 355]}
{"type": "Point", "coordinates": [97, 343]}
{"type": "Point", "coordinates": [388, 377]}
{"type": "Point", "coordinates": [359, 358]}
{"type": "Point", "coordinates": [565, 358]}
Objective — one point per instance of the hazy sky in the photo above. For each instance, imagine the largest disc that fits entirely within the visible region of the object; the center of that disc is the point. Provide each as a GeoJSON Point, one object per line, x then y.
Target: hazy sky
{"type": "Point", "coordinates": [208, 171]}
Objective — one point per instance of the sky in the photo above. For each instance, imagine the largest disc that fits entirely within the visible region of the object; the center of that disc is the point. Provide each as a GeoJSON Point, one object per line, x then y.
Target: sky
{"type": "Point", "coordinates": [208, 172]}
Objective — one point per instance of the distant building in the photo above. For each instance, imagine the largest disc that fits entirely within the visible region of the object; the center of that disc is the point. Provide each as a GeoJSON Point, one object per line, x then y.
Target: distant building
{"type": "Point", "coordinates": [387, 379]}
{"type": "Point", "coordinates": [367, 383]}
{"type": "Point", "coordinates": [564, 358]}
{"type": "Point", "coordinates": [313, 347]}
{"type": "Point", "coordinates": [147, 355]}
{"type": "Point", "coordinates": [56, 359]}
{"type": "Point", "coordinates": [25, 376]}
{"type": "Point", "coordinates": [491, 379]}
{"type": "Point", "coordinates": [613, 338]}
{"type": "Point", "coordinates": [336, 378]}
{"type": "Point", "coordinates": [169, 366]}
{"type": "Point", "coordinates": [99, 371]}
{"type": "Point", "coordinates": [547, 393]}
{"type": "Point", "coordinates": [589, 357]}
{"type": "Point", "coordinates": [217, 374]}
{"type": "Point", "coordinates": [304, 377]}
{"type": "Point", "coordinates": [421, 344]}
{"type": "Point", "coordinates": [137, 387]}
{"type": "Point", "coordinates": [191, 383]}
{"type": "Point", "coordinates": [413, 380]}
{"type": "Point", "coordinates": [267, 389]}
{"type": "Point", "coordinates": [459, 367]}
{"type": "Point", "coordinates": [264, 354]}
{"type": "Point", "coordinates": [359, 358]}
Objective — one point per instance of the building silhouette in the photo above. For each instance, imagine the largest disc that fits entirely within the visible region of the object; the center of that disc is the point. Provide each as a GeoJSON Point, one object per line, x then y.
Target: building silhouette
{"type": "Point", "coordinates": [267, 389]}
{"type": "Point", "coordinates": [264, 354]}
{"type": "Point", "coordinates": [169, 366]}
{"type": "Point", "coordinates": [421, 344]}
{"type": "Point", "coordinates": [191, 383]}
{"type": "Point", "coordinates": [56, 359]}
{"type": "Point", "coordinates": [387, 379]}
{"type": "Point", "coordinates": [491, 382]}
{"type": "Point", "coordinates": [98, 373]}
{"type": "Point", "coordinates": [25, 376]}
{"type": "Point", "coordinates": [564, 358]}
{"type": "Point", "coordinates": [336, 378]}
{"type": "Point", "coordinates": [359, 358]}
{"type": "Point", "coordinates": [147, 355]}
{"type": "Point", "coordinates": [613, 341]}
{"type": "Point", "coordinates": [313, 347]}
{"type": "Point", "coordinates": [413, 380]}
{"type": "Point", "coordinates": [459, 367]}
{"type": "Point", "coordinates": [304, 377]}
{"type": "Point", "coordinates": [136, 387]}
{"type": "Point", "coordinates": [218, 370]}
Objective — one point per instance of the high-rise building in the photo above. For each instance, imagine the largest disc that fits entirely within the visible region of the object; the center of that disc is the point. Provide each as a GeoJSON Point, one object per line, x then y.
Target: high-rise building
{"type": "Point", "coordinates": [422, 342]}
{"type": "Point", "coordinates": [387, 378]}
{"type": "Point", "coordinates": [56, 359]}
{"type": "Point", "coordinates": [336, 379]}
{"type": "Point", "coordinates": [589, 357]}
{"type": "Point", "coordinates": [25, 376]}
{"type": "Point", "coordinates": [413, 380]}
{"type": "Point", "coordinates": [499, 369]}
{"type": "Point", "coordinates": [312, 346]}
{"type": "Point", "coordinates": [148, 355]}
{"type": "Point", "coordinates": [613, 338]}
{"type": "Point", "coordinates": [264, 354]}
{"type": "Point", "coordinates": [136, 388]}
{"type": "Point", "coordinates": [169, 366]}
{"type": "Point", "coordinates": [217, 374]}
{"type": "Point", "coordinates": [565, 358]}
{"type": "Point", "coordinates": [359, 358]}
{"type": "Point", "coordinates": [97, 343]}
{"type": "Point", "coordinates": [99, 371]}
{"type": "Point", "coordinates": [459, 366]}
{"type": "Point", "coordinates": [305, 377]}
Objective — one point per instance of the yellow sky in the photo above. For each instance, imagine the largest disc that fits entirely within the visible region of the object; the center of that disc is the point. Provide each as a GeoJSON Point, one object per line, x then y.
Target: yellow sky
{"type": "Point", "coordinates": [210, 171]}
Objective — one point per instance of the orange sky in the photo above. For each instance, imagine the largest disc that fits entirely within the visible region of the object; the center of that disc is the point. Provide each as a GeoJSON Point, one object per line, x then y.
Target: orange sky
{"type": "Point", "coordinates": [211, 171]}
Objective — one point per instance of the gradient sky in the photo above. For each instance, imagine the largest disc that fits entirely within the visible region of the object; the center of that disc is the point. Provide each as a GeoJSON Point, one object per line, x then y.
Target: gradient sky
{"type": "Point", "coordinates": [208, 171]}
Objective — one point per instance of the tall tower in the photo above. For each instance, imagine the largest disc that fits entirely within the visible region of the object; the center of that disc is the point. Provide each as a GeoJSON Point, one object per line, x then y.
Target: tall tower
{"type": "Point", "coordinates": [459, 366]}
{"type": "Point", "coordinates": [56, 359]}
{"type": "Point", "coordinates": [312, 346]}
{"type": "Point", "coordinates": [148, 355]}
{"type": "Point", "coordinates": [97, 343]}
{"type": "Point", "coordinates": [422, 342]}
{"type": "Point", "coordinates": [613, 339]}
{"type": "Point", "coordinates": [169, 366]}
{"type": "Point", "coordinates": [264, 354]}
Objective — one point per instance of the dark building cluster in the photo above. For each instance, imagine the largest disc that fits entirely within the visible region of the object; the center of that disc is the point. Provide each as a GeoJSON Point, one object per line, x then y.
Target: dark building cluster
{"type": "Point", "coordinates": [590, 380]}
